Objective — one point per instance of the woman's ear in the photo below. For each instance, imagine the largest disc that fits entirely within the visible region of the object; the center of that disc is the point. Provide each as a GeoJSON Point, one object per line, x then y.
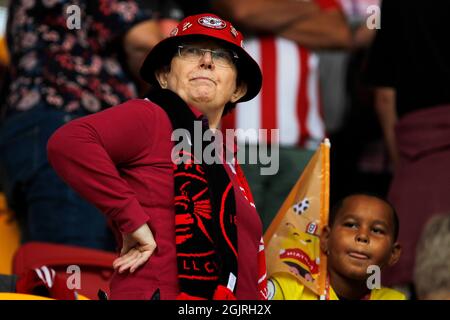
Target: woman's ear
{"type": "Point", "coordinates": [324, 236]}
{"type": "Point", "coordinates": [395, 254]}
{"type": "Point", "coordinates": [161, 75]}
{"type": "Point", "coordinates": [240, 91]}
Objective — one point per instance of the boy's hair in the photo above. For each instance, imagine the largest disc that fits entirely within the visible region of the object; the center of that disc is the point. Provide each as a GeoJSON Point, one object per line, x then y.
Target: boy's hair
{"type": "Point", "coordinates": [431, 270]}
{"type": "Point", "coordinates": [337, 207]}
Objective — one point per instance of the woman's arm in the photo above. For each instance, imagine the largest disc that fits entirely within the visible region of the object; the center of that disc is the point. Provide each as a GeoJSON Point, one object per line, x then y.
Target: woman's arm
{"type": "Point", "coordinates": [315, 24]}
{"type": "Point", "coordinates": [326, 29]}
{"type": "Point", "coordinates": [265, 15]}
{"type": "Point", "coordinates": [86, 153]}
{"type": "Point", "coordinates": [385, 108]}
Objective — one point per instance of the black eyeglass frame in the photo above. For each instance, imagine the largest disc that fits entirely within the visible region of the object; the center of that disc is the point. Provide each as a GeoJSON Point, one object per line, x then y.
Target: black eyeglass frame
{"type": "Point", "coordinates": [234, 55]}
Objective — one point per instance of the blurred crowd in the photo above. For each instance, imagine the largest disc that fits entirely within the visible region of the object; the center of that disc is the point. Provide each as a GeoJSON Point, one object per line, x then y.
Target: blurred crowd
{"type": "Point", "coordinates": [372, 77]}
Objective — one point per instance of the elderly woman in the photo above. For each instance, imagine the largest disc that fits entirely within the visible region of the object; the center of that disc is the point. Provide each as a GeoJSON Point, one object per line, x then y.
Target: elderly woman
{"type": "Point", "coordinates": [186, 229]}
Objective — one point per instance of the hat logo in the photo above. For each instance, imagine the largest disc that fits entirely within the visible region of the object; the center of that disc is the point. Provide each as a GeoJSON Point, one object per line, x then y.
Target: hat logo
{"type": "Point", "coordinates": [186, 26]}
{"type": "Point", "coordinates": [234, 31]}
{"type": "Point", "coordinates": [212, 22]}
{"type": "Point", "coordinates": [174, 32]}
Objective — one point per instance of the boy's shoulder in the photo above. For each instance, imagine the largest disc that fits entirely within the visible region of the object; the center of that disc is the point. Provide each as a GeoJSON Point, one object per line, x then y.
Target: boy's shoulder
{"type": "Point", "coordinates": [386, 294]}
{"type": "Point", "coordinates": [283, 286]}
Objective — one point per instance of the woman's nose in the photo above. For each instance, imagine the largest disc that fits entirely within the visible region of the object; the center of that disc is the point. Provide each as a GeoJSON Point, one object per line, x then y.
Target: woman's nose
{"type": "Point", "coordinates": [207, 60]}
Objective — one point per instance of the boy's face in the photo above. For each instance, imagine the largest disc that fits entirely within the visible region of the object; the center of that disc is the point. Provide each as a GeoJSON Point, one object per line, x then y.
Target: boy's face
{"type": "Point", "coordinates": [361, 235]}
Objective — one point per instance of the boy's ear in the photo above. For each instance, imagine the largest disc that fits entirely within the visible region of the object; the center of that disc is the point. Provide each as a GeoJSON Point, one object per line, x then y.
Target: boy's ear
{"type": "Point", "coordinates": [324, 236]}
{"type": "Point", "coordinates": [395, 254]}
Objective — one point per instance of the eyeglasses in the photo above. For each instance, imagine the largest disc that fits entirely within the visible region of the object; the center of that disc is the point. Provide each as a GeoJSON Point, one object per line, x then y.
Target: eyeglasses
{"type": "Point", "coordinates": [220, 57]}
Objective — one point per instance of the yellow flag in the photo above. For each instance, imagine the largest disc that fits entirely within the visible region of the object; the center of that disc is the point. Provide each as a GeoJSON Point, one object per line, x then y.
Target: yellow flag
{"type": "Point", "coordinates": [292, 239]}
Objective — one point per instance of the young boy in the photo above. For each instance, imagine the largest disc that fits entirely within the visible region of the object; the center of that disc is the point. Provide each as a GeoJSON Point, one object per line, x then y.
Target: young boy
{"type": "Point", "coordinates": [362, 232]}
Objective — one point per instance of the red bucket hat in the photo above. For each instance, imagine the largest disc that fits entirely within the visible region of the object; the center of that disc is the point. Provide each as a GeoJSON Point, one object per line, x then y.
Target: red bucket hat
{"type": "Point", "coordinates": [200, 26]}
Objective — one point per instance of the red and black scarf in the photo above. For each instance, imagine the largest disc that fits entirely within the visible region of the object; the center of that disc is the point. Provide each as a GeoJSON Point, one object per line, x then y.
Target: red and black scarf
{"type": "Point", "coordinates": [205, 214]}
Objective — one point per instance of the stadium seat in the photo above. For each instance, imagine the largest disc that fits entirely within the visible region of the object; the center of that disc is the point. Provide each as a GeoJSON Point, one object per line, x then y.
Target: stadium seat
{"type": "Point", "coordinates": [95, 266]}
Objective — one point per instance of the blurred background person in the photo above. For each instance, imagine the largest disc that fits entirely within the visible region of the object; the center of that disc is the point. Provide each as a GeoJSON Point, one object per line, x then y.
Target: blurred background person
{"type": "Point", "coordinates": [282, 38]}
{"type": "Point", "coordinates": [432, 266]}
{"type": "Point", "coordinates": [358, 156]}
{"type": "Point", "coordinates": [409, 63]}
{"type": "Point", "coordinates": [4, 55]}
{"type": "Point", "coordinates": [334, 64]}
{"type": "Point", "coordinates": [61, 70]}
{"type": "Point", "coordinates": [167, 14]}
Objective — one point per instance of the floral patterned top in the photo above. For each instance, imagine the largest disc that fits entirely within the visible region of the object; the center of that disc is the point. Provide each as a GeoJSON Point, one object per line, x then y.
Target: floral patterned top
{"type": "Point", "coordinates": [65, 65]}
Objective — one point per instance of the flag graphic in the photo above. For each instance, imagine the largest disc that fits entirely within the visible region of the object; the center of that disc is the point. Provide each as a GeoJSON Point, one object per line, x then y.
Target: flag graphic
{"type": "Point", "coordinates": [292, 239]}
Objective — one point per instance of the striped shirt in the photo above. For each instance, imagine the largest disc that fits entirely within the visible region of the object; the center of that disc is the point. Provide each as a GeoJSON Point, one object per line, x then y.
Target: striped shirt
{"type": "Point", "coordinates": [289, 99]}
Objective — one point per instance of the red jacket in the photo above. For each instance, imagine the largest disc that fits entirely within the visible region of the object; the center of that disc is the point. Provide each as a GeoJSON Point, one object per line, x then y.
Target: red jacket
{"type": "Point", "coordinates": [120, 160]}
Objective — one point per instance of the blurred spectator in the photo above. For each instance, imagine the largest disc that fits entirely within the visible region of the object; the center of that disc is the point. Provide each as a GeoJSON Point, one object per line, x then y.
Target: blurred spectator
{"type": "Point", "coordinates": [334, 64]}
{"type": "Point", "coordinates": [358, 156]}
{"type": "Point", "coordinates": [61, 70]}
{"type": "Point", "coordinates": [359, 13]}
{"type": "Point", "coordinates": [167, 14]}
{"type": "Point", "coordinates": [432, 267]}
{"type": "Point", "coordinates": [411, 58]}
{"type": "Point", "coordinates": [284, 33]}
{"type": "Point", "coordinates": [4, 55]}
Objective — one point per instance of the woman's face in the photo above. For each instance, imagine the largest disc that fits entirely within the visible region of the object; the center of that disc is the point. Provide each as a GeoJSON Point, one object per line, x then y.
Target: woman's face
{"type": "Point", "coordinates": [201, 78]}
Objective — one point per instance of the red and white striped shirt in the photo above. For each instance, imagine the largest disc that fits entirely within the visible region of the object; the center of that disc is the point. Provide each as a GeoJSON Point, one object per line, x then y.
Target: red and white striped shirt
{"type": "Point", "coordinates": [290, 97]}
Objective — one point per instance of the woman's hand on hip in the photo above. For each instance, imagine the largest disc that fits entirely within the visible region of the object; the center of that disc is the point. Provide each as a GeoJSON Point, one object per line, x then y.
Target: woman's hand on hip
{"type": "Point", "coordinates": [137, 248]}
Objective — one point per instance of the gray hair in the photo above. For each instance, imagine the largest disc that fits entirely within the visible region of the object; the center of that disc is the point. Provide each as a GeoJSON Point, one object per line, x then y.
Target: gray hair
{"type": "Point", "coordinates": [432, 267]}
